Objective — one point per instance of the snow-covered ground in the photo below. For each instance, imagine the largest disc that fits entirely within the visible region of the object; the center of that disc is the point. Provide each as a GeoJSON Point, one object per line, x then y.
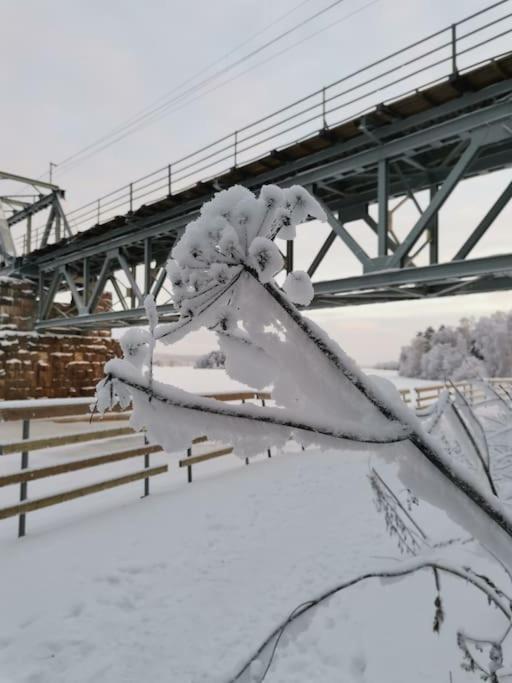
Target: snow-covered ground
{"type": "Point", "coordinates": [184, 585]}
{"type": "Point", "coordinates": [212, 380]}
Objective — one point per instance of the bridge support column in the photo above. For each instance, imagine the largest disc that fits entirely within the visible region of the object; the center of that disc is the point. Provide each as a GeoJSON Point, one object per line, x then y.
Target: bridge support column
{"type": "Point", "coordinates": [52, 365]}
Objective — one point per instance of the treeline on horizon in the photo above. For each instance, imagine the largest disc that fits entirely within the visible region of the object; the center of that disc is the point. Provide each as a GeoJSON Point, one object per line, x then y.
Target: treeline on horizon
{"type": "Point", "coordinates": [474, 348]}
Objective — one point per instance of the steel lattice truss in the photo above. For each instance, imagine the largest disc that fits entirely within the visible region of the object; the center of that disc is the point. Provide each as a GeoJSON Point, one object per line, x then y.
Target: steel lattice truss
{"type": "Point", "coordinates": [433, 139]}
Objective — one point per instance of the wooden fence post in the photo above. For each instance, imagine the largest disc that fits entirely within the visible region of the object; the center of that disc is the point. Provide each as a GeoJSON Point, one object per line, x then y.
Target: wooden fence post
{"type": "Point", "coordinates": [268, 449]}
{"type": "Point", "coordinates": [247, 459]}
{"type": "Point", "coordinates": [146, 466]}
{"type": "Point", "coordinates": [189, 467]}
{"type": "Point", "coordinates": [24, 485]}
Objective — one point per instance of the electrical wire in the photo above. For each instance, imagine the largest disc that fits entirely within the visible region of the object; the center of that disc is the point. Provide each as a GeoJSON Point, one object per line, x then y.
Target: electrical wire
{"type": "Point", "coordinates": [155, 110]}
{"type": "Point", "coordinates": [188, 80]}
{"type": "Point", "coordinates": [136, 117]}
{"type": "Point", "coordinates": [224, 83]}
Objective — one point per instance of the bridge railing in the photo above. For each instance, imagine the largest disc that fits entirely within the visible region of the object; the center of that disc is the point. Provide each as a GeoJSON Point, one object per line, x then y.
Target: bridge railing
{"type": "Point", "coordinates": [479, 38]}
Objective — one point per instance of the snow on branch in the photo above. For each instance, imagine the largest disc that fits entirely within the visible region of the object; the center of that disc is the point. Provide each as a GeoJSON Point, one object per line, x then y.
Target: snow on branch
{"type": "Point", "coordinates": [222, 275]}
{"type": "Point", "coordinates": [124, 383]}
{"type": "Point", "coordinates": [260, 661]}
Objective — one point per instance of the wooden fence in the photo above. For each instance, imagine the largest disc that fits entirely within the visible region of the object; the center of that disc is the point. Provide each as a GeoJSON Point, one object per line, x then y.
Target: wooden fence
{"type": "Point", "coordinates": [470, 390]}
{"type": "Point", "coordinates": [78, 410]}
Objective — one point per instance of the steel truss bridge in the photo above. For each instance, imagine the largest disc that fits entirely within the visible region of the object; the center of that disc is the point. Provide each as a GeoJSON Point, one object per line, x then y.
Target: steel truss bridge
{"type": "Point", "coordinates": [421, 137]}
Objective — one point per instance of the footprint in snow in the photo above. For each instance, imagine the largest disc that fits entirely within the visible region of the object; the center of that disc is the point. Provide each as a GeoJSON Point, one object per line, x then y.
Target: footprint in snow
{"type": "Point", "coordinates": [76, 610]}
{"type": "Point", "coordinates": [5, 642]}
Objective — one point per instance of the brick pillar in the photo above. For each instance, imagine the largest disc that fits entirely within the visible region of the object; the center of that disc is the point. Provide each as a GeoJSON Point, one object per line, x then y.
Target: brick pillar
{"type": "Point", "coordinates": [56, 364]}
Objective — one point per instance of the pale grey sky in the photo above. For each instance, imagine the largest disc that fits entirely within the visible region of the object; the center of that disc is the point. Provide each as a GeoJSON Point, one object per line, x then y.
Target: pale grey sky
{"type": "Point", "coordinates": [75, 70]}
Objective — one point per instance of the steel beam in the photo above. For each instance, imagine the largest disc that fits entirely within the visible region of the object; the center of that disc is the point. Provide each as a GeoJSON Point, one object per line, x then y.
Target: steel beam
{"type": "Point", "coordinates": [392, 244]}
{"type": "Point", "coordinates": [346, 237]}
{"type": "Point", "coordinates": [74, 292]}
{"type": "Point", "coordinates": [159, 282]}
{"type": "Point", "coordinates": [100, 284]}
{"type": "Point", "coordinates": [488, 119]}
{"type": "Point", "coordinates": [50, 294]}
{"type": "Point", "coordinates": [478, 286]}
{"type": "Point", "coordinates": [465, 103]}
{"type": "Point", "coordinates": [382, 202]}
{"type": "Point", "coordinates": [86, 277]}
{"type": "Point", "coordinates": [39, 205]}
{"type": "Point", "coordinates": [438, 200]}
{"type": "Point", "coordinates": [147, 265]}
{"type": "Point", "coordinates": [48, 227]}
{"type": "Point", "coordinates": [488, 160]}
{"type": "Point", "coordinates": [485, 223]}
{"type": "Point", "coordinates": [130, 277]}
{"type": "Point", "coordinates": [297, 171]}
{"type": "Point", "coordinates": [433, 232]}
{"type": "Point", "coordinates": [133, 232]}
{"type": "Point", "coordinates": [60, 212]}
{"type": "Point", "coordinates": [29, 234]}
{"type": "Point", "coordinates": [167, 313]}
{"type": "Point", "coordinates": [360, 170]}
{"type": "Point", "coordinates": [501, 264]}
{"type": "Point", "coordinates": [321, 254]}
{"type": "Point", "coordinates": [120, 295]}
{"type": "Point", "coordinates": [30, 181]}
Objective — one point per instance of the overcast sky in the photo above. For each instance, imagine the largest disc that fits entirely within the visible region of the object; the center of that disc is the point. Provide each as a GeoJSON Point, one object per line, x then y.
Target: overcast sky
{"type": "Point", "coordinates": [74, 70]}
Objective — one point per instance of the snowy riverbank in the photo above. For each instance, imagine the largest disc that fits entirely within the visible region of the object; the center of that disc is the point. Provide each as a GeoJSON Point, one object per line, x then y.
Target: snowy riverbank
{"type": "Point", "coordinates": [211, 380]}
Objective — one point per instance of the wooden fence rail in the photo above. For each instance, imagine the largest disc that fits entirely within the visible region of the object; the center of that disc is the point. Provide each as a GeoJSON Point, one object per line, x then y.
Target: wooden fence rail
{"type": "Point", "coordinates": [470, 390]}
{"type": "Point", "coordinates": [22, 508]}
{"type": "Point", "coordinates": [78, 410]}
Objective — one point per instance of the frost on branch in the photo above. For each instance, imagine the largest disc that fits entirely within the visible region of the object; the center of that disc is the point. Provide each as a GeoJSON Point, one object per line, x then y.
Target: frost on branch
{"type": "Point", "coordinates": [234, 232]}
{"type": "Point", "coordinates": [221, 273]}
{"type": "Point", "coordinates": [266, 258]}
{"type": "Point", "coordinates": [135, 344]}
{"type": "Point", "coordinates": [299, 288]}
{"type": "Point", "coordinates": [222, 276]}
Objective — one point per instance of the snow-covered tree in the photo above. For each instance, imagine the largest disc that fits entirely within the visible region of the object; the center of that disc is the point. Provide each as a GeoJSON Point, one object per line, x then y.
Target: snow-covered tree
{"type": "Point", "coordinates": [493, 341]}
{"type": "Point", "coordinates": [470, 350]}
{"type": "Point", "coordinates": [214, 359]}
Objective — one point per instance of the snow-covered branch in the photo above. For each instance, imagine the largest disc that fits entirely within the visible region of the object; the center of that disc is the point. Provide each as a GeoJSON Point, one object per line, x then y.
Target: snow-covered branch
{"type": "Point", "coordinates": [124, 382]}
{"type": "Point", "coordinates": [222, 277]}
{"type": "Point", "coordinates": [481, 583]}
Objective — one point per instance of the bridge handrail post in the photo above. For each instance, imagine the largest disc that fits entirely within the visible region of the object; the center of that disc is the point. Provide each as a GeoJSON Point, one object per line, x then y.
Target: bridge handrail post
{"type": "Point", "coordinates": [235, 145]}
{"type": "Point", "coordinates": [324, 122]}
{"type": "Point", "coordinates": [98, 210]}
{"type": "Point", "coordinates": [169, 179]}
{"type": "Point", "coordinates": [454, 49]}
{"type": "Point", "coordinates": [131, 197]}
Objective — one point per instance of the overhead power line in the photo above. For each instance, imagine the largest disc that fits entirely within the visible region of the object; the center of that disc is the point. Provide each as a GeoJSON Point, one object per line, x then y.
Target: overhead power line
{"type": "Point", "coordinates": [183, 83]}
{"type": "Point", "coordinates": [226, 82]}
{"type": "Point", "coordinates": [134, 121]}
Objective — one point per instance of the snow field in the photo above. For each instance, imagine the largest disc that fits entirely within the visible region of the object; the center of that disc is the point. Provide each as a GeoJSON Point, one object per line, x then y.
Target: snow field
{"type": "Point", "coordinates": [184, 587]}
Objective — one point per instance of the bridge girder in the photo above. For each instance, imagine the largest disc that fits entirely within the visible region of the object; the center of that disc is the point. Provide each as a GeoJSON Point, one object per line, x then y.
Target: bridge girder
{"type": "Point", "coordinates": [434, 150]}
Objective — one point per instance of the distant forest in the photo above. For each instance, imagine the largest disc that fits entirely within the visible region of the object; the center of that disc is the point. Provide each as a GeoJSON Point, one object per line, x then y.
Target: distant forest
{"type": "Point", "coordinates": [475, 348]}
